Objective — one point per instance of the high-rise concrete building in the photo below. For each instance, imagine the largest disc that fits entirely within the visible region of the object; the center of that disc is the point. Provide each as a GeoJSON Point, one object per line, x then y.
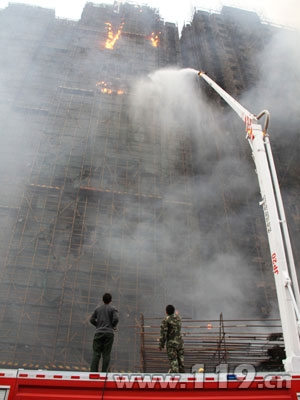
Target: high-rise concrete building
{"type": "Point", "coordinates": [88, 203]}
{"type": "Point", "coordinates": [77, 176]}
{"type": "Point", "coordinates": [225, 45]}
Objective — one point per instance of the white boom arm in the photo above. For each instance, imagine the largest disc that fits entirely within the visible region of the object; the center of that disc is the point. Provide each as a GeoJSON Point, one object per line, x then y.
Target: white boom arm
{"type": "Point", "coordinates": [278, 235]}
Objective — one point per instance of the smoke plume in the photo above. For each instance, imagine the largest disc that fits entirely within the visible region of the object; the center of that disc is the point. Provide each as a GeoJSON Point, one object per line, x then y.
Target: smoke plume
{"type": "Point", "coordinates": [212, 259]}
{"type": "Point", "coordinates": [209, 273]}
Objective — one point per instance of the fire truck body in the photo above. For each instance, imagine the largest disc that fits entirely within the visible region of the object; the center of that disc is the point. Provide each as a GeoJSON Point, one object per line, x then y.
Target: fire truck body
{"type": "Point", "coordinates": [58, 385]}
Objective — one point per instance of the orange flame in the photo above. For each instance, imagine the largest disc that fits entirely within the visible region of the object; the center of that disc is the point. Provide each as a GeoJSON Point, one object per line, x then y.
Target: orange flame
{"type": "Point", "coordinates": [111, 38]}
{"type": "Point", "coordinates": [155, 39]}
{"type": "Point", "coordinates": [108, 90]}
{"type": "Point", "coordinates": [209, 326]}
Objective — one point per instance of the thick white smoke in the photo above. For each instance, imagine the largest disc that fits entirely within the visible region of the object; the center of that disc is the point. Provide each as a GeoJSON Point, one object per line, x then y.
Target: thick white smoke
{"type": "Point", "coordinates": [209, 272]}
{"type": "Point", "coordinates": [224, 185]}
{"type": "Point", "coordinates": [278, 90]}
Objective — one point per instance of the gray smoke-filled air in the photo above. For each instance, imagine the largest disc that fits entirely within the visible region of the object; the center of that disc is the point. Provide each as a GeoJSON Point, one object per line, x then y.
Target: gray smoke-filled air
{"type": "Point", "coordinates": [209, 273]}
{"type": "Point", "coordinates": [221, 280]}
{"type": "Point", "coordinates": [278, 89]}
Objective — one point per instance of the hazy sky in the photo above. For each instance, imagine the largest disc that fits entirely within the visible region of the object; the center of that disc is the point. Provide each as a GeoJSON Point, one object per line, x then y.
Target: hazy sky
{"type": "Point", "coordinates": [285, 12]}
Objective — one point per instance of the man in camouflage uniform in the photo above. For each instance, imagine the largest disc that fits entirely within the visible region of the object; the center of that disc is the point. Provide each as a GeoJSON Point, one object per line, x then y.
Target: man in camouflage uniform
{"type": "Point", "coordinates": [170, 333]}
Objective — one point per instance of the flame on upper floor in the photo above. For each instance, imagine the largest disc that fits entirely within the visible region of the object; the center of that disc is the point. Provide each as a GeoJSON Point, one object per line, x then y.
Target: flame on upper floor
{"type": "Point", "coordinates": [106, 89]}
{"type": "Point", "coordinates": [111, 37]}
{"type": "Point", "coordinates": [154, 38]}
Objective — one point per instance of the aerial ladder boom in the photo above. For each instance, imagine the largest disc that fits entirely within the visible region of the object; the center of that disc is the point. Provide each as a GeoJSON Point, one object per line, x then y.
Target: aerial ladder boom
{"type": "Point", "coordinates": [284, 270]}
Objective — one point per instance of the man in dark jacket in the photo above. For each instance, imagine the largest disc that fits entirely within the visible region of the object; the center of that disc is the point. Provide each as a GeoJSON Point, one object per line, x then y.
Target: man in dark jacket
{"type": "Point", "coordinates": [105, 318]}
{"type": "Point", "coordinates": [170, 334]}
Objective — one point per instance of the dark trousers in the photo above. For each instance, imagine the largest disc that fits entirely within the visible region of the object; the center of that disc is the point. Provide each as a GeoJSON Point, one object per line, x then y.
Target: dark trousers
{"type": "Point", "coordinates": [102, 345]}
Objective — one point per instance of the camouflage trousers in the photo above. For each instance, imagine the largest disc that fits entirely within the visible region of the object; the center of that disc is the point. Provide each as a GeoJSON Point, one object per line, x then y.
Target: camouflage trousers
{"type": "Point", "coordinates": [176, 358]}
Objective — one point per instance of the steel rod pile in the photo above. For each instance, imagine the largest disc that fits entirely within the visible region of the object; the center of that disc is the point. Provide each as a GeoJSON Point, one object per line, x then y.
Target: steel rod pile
{"type": "Point", "coordinates": [213, 342]}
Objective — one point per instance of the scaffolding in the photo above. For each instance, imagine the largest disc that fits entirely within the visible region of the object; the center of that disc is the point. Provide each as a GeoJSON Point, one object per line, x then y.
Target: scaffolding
{"type": "Point", "coordinates": [88, 179]}
{"type": "Point", "coordinates": [229, 42]}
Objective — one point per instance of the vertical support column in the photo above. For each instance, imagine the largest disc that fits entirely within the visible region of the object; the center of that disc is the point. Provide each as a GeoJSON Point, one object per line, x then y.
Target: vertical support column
{"type": "Point", "coordinates": [142, 344]}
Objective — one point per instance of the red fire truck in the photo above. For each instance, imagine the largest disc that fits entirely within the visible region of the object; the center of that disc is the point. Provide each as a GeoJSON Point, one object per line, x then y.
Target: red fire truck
{"type": "Point", "coordinates": [46, 385]}
{"type": "Point", "coordinates": [244, 383]}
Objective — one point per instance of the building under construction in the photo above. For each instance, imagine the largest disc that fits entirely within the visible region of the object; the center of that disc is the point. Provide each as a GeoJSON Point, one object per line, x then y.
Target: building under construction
{"type": "Point", "coordinates": [88, 202]}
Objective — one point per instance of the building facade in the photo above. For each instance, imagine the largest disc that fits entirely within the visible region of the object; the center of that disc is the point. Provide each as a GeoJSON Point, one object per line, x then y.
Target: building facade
{"type": "Point", "coordinates": [86, 191]}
